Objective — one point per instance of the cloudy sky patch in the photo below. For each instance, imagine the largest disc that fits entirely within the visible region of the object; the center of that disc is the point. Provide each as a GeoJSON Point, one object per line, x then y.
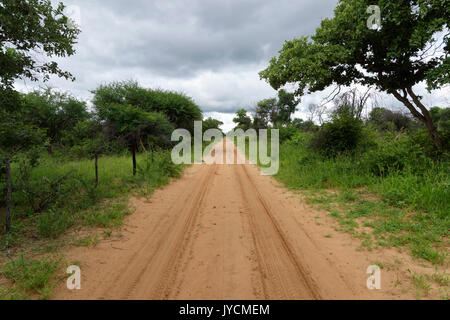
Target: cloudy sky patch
{"type": "Point", "coordinates": [212, 50]}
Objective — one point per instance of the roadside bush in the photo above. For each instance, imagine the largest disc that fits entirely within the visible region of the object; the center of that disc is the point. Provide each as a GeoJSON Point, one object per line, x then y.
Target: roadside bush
{"type": "Point", "coordinates": [287, 133]}
{"type": "Point", "coordinates": [342, 134]}
{"type": "Point", "coordinates": [398, 153]}
{"type": "Point", "coordinates": [158, 167]}
{"type": "Point", "coordinates": [389, 156]}
{"type": "Point", "coordinates": [422, 139]}
{"type": "Point", "coordinates": [31, 276]}
{"type": "Point", "coordinates": [54, 222]}
{"type": "Point", "coordinates": [164, 161]}
{"type": "Point", "coordinates": [46, 191]}
{"type": "Point", "coordinates": [301, 139]}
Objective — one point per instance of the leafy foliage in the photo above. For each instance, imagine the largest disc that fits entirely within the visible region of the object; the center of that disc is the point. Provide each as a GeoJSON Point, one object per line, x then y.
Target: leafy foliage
{"type": "Point", "coordinates": [180, 110]}
{"type": "Point", "coordinates": [211, 123]}
{"type": "Point", "coordinates": [385, 119]}
{"type": "Point", "coordinates": [53, 112]}
{"type": "Point", "coordinates": [344, 51]}
{"type": "Point", "coordinates": [131, 124]}
{"type": "Point", "coordinates": [342, 133]}
{"type": "Point", "coordinates": [242, 120]}
{"type": "Point", "coordinates": [306, 126]}
{"type": "Point", "coordinates": [276, 111]}
{"type": "Point", "coordinates": [17, 135]}
{"type": "Point", "coordinates": [28, 27]}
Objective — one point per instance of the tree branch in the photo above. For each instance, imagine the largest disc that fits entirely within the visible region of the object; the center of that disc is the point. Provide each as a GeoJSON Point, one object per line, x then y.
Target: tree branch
{"type": "Point", "coordinates": [408, 104]}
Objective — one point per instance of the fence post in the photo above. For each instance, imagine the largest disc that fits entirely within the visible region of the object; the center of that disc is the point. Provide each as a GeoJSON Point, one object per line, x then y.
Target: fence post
{"type": "Point", "coordinates": [8, 193]}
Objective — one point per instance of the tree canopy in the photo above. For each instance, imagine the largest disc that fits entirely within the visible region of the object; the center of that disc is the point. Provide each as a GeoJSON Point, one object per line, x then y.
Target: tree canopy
{"type": "Point", "coordinates": [211, 123]}
{"type": "Point", "coordinates": [28, 29]}
{"type": "Point", "coordinates": [394, 58]}
{"type": "Point", "coordinates": [242, 120]}
{"type": "Point", "coordinates": [179, 109]}
{"type": "Point", "coordinates": [54, 112]}
{"type": "Point", "coordinates": [278, 110]}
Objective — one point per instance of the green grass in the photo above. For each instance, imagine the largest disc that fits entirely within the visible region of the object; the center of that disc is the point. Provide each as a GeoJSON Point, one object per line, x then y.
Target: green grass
{"type": "Point", "coordinates": [89, 241]}
{"type": "Point", "coordinates": [30, 277]}
{"type": "Point", "coordinates": [49, 205]}
{"type": "Point", "coordinates": [404, 208]}
{"type": "Point", "coordinates": [58, 196]}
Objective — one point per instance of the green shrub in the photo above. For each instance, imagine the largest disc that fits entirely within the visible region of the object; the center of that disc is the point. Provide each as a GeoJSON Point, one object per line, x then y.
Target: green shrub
{"type": "Point", "coordinates": [287, 133]}
{"type": "Point", "coordinates": [53, 223]}
{"type": "Point", "coordinates": [47, 191]}
{"type": "Point", "coordinates": [341, 134]}
{"type": "Point", "coordinates": [106, 217]}
{"type": "Point", "coordinates": [33, 276]}
{"type": "Point", "coordinates": [422, 139]}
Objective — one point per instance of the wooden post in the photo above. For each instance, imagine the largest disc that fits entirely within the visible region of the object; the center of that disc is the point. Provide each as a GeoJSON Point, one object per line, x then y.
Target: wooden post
{"type": "Point", "coordinates": [134, 159]}
{"type": "Point", "coordinates": [8, 193]}
{"type": "Point", "coordinates": [96, 169]}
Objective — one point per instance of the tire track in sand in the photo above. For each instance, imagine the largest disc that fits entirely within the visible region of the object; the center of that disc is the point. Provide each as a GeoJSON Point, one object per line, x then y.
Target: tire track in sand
{"type": "Point", "coordinates": [222, 233]}
{"type": "Point", "coordinates": [147, 275]}
{"type": "Point", "coordinates": [283, 275]}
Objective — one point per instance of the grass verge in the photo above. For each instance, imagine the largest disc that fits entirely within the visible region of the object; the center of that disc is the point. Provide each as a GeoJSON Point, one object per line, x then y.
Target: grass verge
{"type": "Point", "coordinates": [61, 196]}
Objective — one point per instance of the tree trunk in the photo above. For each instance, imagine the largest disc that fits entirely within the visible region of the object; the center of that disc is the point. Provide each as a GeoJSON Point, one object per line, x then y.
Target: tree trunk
{"type": "Point", "coordinates": [8, 194]}
{"type": "Point", "coordinates": [432, 131]}
{"type": "Point", "coordinates": [49, 149]}
{"type": "Point", "coordinates": [142, 145]}
{"type": "Point", "coordinates": [423, 115]}
{"type": "Point", "coordinates": [134, 159]}
{"type": "Point", "coordinates": [96, 169]}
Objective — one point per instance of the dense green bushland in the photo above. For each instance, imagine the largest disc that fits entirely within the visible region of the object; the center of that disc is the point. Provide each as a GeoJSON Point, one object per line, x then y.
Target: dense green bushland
{"type": "Point", "coordinates": [58, 131]}
{"type": "Point", "coordinates": [411, 186]}
{"type": "Point", "coordinates": [382, 172]}
{"type": "Point", "coordinates": [56, 194]}
{"type": "Point", "coordinates": [72, 167]}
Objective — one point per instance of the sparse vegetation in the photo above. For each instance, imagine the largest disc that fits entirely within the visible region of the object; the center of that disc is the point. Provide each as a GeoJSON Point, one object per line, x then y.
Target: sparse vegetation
{"type": "Point", "coordinates": [30, 277]}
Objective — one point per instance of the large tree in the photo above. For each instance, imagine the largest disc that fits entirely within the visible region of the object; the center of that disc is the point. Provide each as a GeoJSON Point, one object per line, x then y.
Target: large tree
{"type": "Point", "coordinates": [131, 125]}
{"type": "Point", "coordinates": [179, 109]}
{"type": "Point", "coordinates": [32, 33]}
{"type": "Point", "coordinates": [277, 110]}
{"type": "Point", "coordinates": [242, 120]}
{"type": "Point", "coordinates": [411, 46]}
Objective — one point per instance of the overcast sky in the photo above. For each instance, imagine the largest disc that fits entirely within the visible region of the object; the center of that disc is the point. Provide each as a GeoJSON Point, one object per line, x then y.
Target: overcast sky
{"type": "Point", "coordinates": [212, 50]}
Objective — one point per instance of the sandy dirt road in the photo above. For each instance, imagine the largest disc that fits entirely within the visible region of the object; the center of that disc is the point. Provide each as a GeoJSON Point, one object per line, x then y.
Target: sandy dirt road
{"type": "Point", "coordinates": [225, 232]}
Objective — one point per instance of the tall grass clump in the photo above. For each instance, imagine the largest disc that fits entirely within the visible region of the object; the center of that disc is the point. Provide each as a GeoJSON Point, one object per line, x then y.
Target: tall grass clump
{"type": "Point", "coordinates": [394, 166]}
{"type": "Point", "coordinates": [54, 194]}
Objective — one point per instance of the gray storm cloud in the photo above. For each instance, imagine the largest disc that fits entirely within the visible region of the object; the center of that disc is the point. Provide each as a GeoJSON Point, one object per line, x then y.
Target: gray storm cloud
{"type": "Point", "coordinates": [212, 50]}
{"type": "Point", "coordinates": [189, 43]}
